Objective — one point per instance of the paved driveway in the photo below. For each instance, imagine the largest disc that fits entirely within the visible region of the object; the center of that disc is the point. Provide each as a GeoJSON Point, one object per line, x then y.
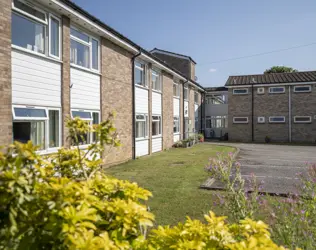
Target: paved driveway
{"type": "Point", "coordinates": [277, 165]}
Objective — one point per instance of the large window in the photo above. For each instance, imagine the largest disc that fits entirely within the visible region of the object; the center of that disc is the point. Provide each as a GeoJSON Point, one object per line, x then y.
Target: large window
{"type": "Point", "coordinates": [84, 50]}
{"type": "Point", "coordinates": [139, 74]}
{"type": "Point", "coordinates": [141, 128]}
{"type": "Point", "coordinates": [39, 125]}
{"type": "Point", "coordinates": [156, 125]}
{"type": "Point", "coordinates": [155, 80]}
{"type": "Point", "coordinates": [176, 124]}
{"type": "Point", "coordinates": [216, 122]}
{"type": "Point", "coordinates": [91, 117]}
{"type": "Point", "coordinates": [176, 90]}
{"type": "Point", "coordinates": [33, 30]}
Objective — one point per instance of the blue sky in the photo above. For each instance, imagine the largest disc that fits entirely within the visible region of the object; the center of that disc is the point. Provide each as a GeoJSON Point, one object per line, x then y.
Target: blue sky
{"type": "Point", "coordinates": [209, 30]}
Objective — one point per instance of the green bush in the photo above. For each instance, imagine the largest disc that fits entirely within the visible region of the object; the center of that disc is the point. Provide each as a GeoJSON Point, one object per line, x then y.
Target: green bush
{"type": "Point", "coordinates": [65, 201]}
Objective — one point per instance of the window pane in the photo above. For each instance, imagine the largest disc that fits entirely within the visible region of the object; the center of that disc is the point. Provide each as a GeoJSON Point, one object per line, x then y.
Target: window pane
{"type": "Point", "coordinates": [155, 80]}
{"type": "Point", "coordinates": [53, 128]}
{"type": "Point", "coordinates": [303, 89]}
{"type": "Point", "coordinates": [28, 34]}
{"type": "Point", "coordinates": [186, 92]}
{"type": "Point", "coordinates": [140, 129]}
{"type": "Point", "coordinates": [95, 120]}
{"type": "Point", "coordinates": [139, 74]}
{"type": "Point", "coordinates": [25, 112]}
{"type": "Point", "coordinates": [95, 54]}
{"type": "Point", "coordinates": [82, 115]}
{"type": "Point", "coordinates": [79, 54]}
{"type": "Point", "coordinates": [155, 128]}
{"type": "Point", "coordinates": [176, 125]}
{"type": "Point", "coordinates": [28, 9]}
{"type": "Point", "coordinates": [79, 35]}
{"type": "Point", "coordinates": [54, 37]}
{"type": "Point", "coordinates": [30, 131]}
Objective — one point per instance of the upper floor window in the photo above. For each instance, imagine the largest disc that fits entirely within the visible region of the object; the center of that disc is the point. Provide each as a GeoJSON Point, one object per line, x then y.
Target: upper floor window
{"type": "Point", "coordinates": [84, 50]}
{"type": "Point", "coordinates": [139, 74]}
{"type": "Point", "coordinates": [276, 90]}
{"type": "Point", "coordinates": [240, 91]}
{"type": "Point", "coordinates": [176, 90]}
{"type": "Point", "coordinates": [155, 80]}
{"type": "Point", "coordinates": [196, 97]}
{"type": "Point", "coordinates": [35, 30]}
{"type": "Point", "coordinates": [302, 89]}
{"type": "Point", "coordinates": [217, 99]}
{"type": "Point", "coordinates": [186, 93]}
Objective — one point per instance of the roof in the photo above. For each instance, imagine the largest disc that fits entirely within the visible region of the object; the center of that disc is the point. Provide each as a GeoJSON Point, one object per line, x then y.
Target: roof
{"type": "Point", "coordinates": [272, 78]}
{"type": "Point", "coordinates": [172, 53]}
{"type": "Point", "coordinates": [215, 89]}
{"type": "Point", "coordinates": [119, 35]}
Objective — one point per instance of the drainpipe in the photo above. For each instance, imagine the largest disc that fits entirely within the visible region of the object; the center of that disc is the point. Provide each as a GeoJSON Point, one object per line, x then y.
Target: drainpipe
{"type": "Point", "coordinates": [133, 106]}
{"type": "Point", "coordinates": [202, 106]}
{"type": "Point", "coordinates": [290, 115]}
{"type": "Point", "coordinates": [252, 108]}
{"type": "Point", "coordinates": [183, 122]}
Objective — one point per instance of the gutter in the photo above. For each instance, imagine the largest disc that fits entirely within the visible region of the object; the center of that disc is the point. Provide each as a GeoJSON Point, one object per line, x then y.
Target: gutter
{"type": "Point", "coordinates": [133, 107]}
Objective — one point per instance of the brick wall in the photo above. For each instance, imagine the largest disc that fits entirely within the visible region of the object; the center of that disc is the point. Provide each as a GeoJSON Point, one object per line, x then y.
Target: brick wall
{"type": "Point", "coordinates": [5, 74]}
{"type": "Point", "coordinates": [304, 104]}
{"type": "Point", "coordinates": [167, 110]}
{"type": "Point", "coordinates": [116, 95]}
{"type": "Point", "coordinates": [239, 105]}
{"type": "Point", "coordinates": [266, 105]}
{"type": "Point", "coordinates": [65, 79]}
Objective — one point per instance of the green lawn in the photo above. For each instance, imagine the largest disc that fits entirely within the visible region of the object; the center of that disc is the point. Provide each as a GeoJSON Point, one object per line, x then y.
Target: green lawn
{"type": "Point", "coordinates": [173, 177]}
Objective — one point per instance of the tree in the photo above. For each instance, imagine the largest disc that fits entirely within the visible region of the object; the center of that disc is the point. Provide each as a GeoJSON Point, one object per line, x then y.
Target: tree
{"type": "Point", "coordinates": [280, 69]}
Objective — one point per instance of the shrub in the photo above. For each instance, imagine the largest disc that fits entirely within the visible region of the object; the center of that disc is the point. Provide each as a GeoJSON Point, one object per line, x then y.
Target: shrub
{"type": "Point", "coordinates": [64, 201]}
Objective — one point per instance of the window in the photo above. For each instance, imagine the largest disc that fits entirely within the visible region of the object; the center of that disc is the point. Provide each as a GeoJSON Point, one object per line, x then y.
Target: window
{"type": "Point", "coordinates": [216, 122]}
{"type": "Point", "coordinates": [260, 91]}
{"type": "Point", "coordinates": [176, 90]}
{"type": "Point", "coordinates": [186, 93]}
{"type": "Point", "coordinates": [141, 126]}
{"type": "Point", "coordinates": [261, 119]}
{"type": "Point", "coordinates": [276, 119]}
{"type": "Point", "coordinates": [240, 91]}
{"type": "Point", "coordinates": [39, 125]}
{"type": "Point", "coordinates": [240, 120]}
{"type": "Point", "coordinates": [139, 74]}
{"type": "Point", "coordinates": [30, 30]}
{"type": "Point", "coordinates": [155, 80]}
{"type": "Point", "coordinates": [176, 124]}
{"type": "Point", "coordinates": [276, 90]}
{"type": "Point", "coordinates": [196, 97]}
{"type": "Point", "coordinates": [217, 99]}
{"type": "Point", "coordinates": [156, 125]}
{"type": "Point", "coordinates": [302, 119]}
{"type": "Point", "coordinates": [302, 89]}
{"type": "Point", "coordinates": [84, 50]}
{"type": "Point", "coordinates": [92, 117]}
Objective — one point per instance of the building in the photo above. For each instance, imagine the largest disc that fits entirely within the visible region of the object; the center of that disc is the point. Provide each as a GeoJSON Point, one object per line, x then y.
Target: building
{"type": "Point", "coordinates": [60, 62]}
{"type": "Point", "coordinates": [280, 107]}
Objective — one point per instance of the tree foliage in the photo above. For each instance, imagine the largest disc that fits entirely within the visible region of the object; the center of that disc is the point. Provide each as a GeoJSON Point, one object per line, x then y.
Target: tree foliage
{"type": "Point", "coordinates": [280, 69]}
{"type": "Point", "coordinates": [65, 201]}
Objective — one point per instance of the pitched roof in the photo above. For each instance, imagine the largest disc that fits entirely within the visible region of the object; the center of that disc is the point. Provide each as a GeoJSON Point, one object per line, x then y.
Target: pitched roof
{"type": "Point", "coordinates": [172, 53]}
{"type": "Point", "coordinates": [273, 78]}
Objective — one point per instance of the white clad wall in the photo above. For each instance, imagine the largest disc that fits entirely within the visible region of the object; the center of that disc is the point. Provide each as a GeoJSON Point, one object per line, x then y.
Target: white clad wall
{"type": "Point", "coordinates": [85, 91]}
{"type": "Point", "coordinates": [186, 109]}
{"type": "Point", "coordinates": [156, 144]}
{"type": "Point", "coordinates": [141, 148]}
{"type": "Point", "coordinates": [35, 80]}
{"type": "Point", "coordinates": [176, 138]}
{"type": "Point", "coordinates": [141, 100]}
{"type": "Point", "coordinates": [156, 103]}
{"type": "Point", "coordinates": [176, 107]}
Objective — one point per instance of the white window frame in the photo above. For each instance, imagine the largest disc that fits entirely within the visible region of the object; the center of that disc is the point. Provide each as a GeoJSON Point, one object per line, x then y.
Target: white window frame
{"type": "Point", "coordinates": [186, 98]}
{"type": "Point", "coordinates": [240, 122]}
{"type": "Point", "coordinates": [159, 120]}
{"type": "Point", "coordinates": [272, 117]}
{"type": "Point", "coordinates": [278, 92]}
{"type": "Point", "coordinates": [246, 93]}
{"type": "Point", "coordinates": [196, 94]}
{"type": "Point", "coordinates": [29, 15]}
{"type": "Point", "coordinates": [304, 91]}
{"type": "Point", "coordinates": [46, 120]}
{"type": "Point", "coordinates": [89, 44]}
{"type": "Point", "coordinates": [177, 90]}
{"type": "Point", "coordinates": [261, 119]}
{"type": "Point", "coordinates": [51, 16]}
{"type": "Point", "coordinates": [146, 125]}
{"type": "Point", "coordinates": [310, 119]}
{"type": "Point", "coordinates": [157, 74]}
{"type": "Point", "coordinates": [260, 91]}
{"type": "Point", "coordinates": [144, 69]}
{"type": "Point", "coordinates": [179, 122]}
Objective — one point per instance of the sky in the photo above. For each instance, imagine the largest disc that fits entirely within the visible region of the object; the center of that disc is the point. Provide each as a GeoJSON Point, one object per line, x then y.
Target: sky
{"type": "Point", "coordinates": [213, 31]}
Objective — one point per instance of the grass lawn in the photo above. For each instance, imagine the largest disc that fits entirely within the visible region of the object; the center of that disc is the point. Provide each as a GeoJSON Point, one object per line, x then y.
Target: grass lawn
{"type": "Point", "coordinates": [173, 177]}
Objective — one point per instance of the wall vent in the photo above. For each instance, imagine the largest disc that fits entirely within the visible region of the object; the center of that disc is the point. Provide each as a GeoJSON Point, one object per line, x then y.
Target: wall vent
{"type": "Point", "coordinates": [260, 91]}
{"type": "Point", "coordinates": [261, 119]}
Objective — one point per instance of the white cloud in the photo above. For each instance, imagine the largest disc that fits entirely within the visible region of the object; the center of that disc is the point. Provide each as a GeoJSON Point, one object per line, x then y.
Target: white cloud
{"type": "Point", "coordinates": [212, 70]}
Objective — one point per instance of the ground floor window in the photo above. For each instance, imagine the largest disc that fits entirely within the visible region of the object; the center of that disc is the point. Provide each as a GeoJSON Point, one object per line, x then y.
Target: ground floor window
{"type": "Point", "coordinates": [141, 128]}
{"type": "Point", "coordinates": [37, 124]}
{"type": "Point", "coordinates": [216, 122]}
{"type": "Point", "coordinates": [176, 124]}
{"type": "Point", "coordinates": [156, 125]}
{"type": "Point", "coordinates": [91, 117]}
